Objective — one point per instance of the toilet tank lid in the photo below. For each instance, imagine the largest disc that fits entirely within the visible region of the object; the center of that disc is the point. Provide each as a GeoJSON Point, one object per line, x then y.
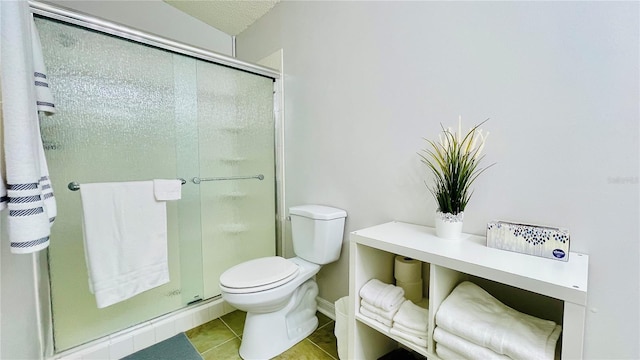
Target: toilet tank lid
{"type": "Point", "coordinates": [318, 212]}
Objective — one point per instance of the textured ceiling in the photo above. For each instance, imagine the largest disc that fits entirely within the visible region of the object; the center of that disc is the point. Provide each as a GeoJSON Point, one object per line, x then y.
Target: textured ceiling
{"type": "Point", "coordinates": [229, 16]}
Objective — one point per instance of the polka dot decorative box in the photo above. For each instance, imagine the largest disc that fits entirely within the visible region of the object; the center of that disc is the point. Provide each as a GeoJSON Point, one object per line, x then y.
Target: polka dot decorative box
{"type": "Point", "coordinates": [548, 242]}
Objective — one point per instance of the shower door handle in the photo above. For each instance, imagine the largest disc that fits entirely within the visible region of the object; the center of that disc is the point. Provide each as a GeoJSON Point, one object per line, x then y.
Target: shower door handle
{"type": "Point", "coordinates": [198, 180]}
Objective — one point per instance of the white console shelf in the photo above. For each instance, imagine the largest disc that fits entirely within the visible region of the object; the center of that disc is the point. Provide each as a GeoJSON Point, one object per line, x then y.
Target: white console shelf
{"type": "Point", "coordinates": [557, 285]}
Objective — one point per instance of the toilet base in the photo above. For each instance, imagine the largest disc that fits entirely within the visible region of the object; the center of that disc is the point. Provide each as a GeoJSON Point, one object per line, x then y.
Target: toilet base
{"type": "Point", "coordinates": [267, 335]}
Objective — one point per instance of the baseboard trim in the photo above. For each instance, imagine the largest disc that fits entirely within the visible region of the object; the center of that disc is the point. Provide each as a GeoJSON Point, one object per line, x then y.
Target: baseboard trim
{"type": "Point", "coordinates": [327, 307]}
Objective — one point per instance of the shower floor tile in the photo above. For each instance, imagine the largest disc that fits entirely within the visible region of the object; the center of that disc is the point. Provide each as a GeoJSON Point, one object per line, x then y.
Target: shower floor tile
{"type": "Point", "coordinates": [220, 340]}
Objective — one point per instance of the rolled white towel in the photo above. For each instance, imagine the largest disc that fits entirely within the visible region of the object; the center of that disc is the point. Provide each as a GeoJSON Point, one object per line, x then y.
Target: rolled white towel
{"type": "Point", "coordinates": [467, 349]}
{"type": "Point", "coordinates": [413, 339]}
{"type": "Point", "coordinates": [412, 316]}
{"type": "Point", "coordinates": [421, 334]}
{"type": "Point", "coordinates": [382, 295]}
{"type": "Point", "coordinates": [371, 315]}
{"type": "Point", "coordinates": [376, 310]}
{"type": "Point", "coordinates": [473, 314]}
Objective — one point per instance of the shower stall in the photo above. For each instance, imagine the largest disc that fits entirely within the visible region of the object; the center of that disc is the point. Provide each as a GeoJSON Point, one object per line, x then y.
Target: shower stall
{"type": "Point", "coordinates": [129, 111]}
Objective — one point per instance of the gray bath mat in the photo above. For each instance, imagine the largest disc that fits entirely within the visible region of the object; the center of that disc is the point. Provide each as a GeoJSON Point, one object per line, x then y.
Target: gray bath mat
{"type": "Point", "coordinates": [175, 348]}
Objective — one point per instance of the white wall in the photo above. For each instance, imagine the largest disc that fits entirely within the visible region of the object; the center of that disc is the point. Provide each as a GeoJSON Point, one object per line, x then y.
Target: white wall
{"type": "Point", "coordinates": [155, 17]}
{"type": "Point", "coordinates": [365, 81]}
{"type": "Point", "coordinates": [18, 319]}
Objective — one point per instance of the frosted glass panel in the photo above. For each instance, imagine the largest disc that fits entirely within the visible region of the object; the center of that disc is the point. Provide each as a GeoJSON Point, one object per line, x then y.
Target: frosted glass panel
{"type": "Point", "coordinates": [190, 233]}
{"type": "Point", "coordinates": [115, 123]}
{"type": "Point", "coordinates": [235, 117]}
{"type": "Point", "coordinates": [131, 112]}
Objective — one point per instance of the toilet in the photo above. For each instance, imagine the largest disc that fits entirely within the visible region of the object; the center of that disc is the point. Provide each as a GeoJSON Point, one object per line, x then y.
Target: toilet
{"type": "Point", "coordinates": [278, 294]}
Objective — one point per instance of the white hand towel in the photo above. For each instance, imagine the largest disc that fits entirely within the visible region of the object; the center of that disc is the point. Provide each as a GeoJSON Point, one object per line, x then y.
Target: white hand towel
{"type": "Point", "coordinates": [167, 189]}
{"type": "Point", "coordinates": [473, 314]}
{"type": "Point", "coordinates": [125, 236]}
{"type": "Point", "coordinates": [371, 315]}
{"type": "Point", "coordinates": [465, 348]}
{"type": "Point", "coordinates": [384, 296]}
{"type": "Point", "coordinates": [31, 203]}
{"type": "Point", "coordinates": [445, 353]}
{"type": "Point", "coordinates": [385, 314]}
{"type": "Point", "coordinates": [421, 334]}
{"type": "Point", "coordinates": [412, 316]}
{"type": "Point", "coordinates": [413, 339]}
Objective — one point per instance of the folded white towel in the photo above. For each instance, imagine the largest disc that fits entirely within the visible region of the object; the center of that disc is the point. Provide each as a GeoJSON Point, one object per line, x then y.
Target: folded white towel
{"type": "Point", "coordinates": [445, 353]}
{"type": "Point", "coordinates": [412, 316]}
{"type": "Point", "coordinates": [31, 204]}
{"type": "Point", "coordinates": [371, 315]}
{"type": "Point", "coordinates": [421, 334]}
{"type": "Point", "coordinates": [167, 189]}
{"type": "Point", "coordinates": [413, 339]}
{"type": "Point", "coordinates": [125, 237]}
{"type": "Point", "coordinates": [465, 348]}
{"type": "Point", "coordinates": [385, 296]}
{"type": "Point", "coordinates": [376, 310]}
{"type": "Point", "coordinates": [473, 314]}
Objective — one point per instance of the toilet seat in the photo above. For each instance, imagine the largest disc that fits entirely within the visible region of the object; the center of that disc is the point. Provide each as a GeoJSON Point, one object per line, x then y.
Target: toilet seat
{"type": "Point", "coordinates": [258, 275]}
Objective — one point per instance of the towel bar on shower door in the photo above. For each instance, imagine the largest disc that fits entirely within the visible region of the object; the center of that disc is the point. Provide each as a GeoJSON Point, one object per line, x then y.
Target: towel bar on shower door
{"type": "Point", "coordinates": [74, 186]}
{"type": "Point", "coordinates": [197, 180]}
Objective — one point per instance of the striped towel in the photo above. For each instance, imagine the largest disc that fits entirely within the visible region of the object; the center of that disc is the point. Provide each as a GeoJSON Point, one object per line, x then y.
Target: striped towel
{"type": "Point", "coordinates": [32, 207]}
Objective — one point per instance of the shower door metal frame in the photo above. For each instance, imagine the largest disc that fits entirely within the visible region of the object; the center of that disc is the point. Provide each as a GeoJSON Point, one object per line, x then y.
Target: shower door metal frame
{"type": "Point", "coordinates": [122, 31]}
{"type": "Point", "coordinates": [87, 21]}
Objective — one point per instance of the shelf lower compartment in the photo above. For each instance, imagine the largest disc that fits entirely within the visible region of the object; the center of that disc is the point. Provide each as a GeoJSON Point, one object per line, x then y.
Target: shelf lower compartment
{"type": "Point", "coordinates": [539, 287]}
{"type": "Point", "coordinates": [383, 329]}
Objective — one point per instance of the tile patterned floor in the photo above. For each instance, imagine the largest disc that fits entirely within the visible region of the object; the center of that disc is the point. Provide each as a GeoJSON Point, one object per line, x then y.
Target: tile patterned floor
{"type": "Point", "coordinates": [220, 340]}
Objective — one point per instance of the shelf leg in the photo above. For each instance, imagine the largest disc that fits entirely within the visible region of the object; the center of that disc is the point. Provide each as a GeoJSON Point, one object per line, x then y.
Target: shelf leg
{"type": "Point", "coordinates": [573, 331]}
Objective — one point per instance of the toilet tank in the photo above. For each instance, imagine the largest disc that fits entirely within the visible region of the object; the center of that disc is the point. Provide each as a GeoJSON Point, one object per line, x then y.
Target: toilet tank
{"type": "Point", "coordinates": [317, 232]}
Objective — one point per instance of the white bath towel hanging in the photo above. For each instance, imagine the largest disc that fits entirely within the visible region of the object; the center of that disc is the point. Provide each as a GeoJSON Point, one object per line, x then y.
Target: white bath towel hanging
{"type": "Point", "coordinates": [473, 314]}
{"type": "Point", "coordinates": [44, 97]}
{"type": "Point", "coordinates": [4, 199]}
{"type": "Point", "coordinates": [31, 203]}
{"type": "Point", "coordinates": [125, 237]}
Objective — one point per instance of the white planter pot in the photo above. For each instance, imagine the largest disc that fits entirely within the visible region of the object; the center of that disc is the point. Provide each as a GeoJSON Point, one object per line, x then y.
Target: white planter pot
{"type": "Point", "coordinates": [449, 226]}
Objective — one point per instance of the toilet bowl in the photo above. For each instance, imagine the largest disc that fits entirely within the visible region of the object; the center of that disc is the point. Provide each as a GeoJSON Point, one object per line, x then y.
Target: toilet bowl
{"type": "Point", "coordinates": [278, 294]}
{"type": "Point", "coordinates": [267, 296]}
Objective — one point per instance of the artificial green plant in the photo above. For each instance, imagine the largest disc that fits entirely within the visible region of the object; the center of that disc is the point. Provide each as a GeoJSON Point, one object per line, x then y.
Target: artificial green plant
{"type": "Point", "coordinates": [454, 161]}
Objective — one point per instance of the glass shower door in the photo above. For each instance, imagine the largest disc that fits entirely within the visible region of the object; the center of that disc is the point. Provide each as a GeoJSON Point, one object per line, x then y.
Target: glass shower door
{"type": "Point", "coordinates": [116, 122]}
{"type": "Point", "coordinates": [236, 137]}
{"type": "Point", "coordinates": [130, 112]}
